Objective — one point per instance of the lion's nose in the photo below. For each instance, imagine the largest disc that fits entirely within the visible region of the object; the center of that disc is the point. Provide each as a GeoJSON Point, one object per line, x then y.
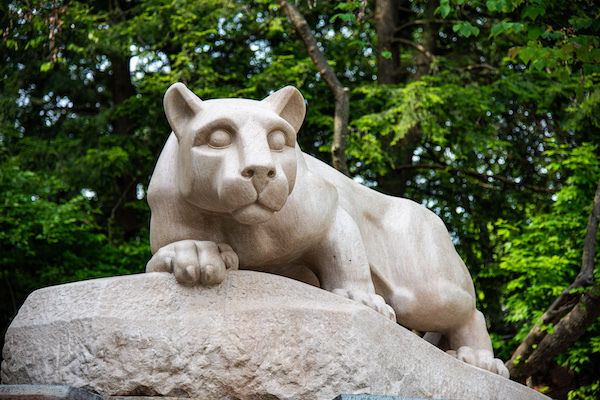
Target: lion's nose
{"type": "Point", "coordinates": [259, 171]}
{"type": "Point", "coordinates": [260, 175]}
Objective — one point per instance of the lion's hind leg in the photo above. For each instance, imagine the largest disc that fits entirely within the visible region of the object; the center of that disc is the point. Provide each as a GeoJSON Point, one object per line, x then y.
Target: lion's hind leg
{"type": "Point", "coordinates": [471, 343]}
{"type": "Point", "coordinates": [444, 307]}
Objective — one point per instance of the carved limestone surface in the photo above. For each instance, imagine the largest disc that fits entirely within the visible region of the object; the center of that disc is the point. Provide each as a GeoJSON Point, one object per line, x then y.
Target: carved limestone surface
{"type": "Point", "coordinates": [255, 336]}
{"type": "Point", "coordinates": [232, 189]}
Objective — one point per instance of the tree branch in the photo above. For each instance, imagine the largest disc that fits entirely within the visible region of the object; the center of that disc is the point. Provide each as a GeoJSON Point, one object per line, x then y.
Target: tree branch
{"type": "Point", "coordinates": [11, 293]}
{"type": "Point", "coordinates": [423, 22]}
{"type": "Point", "coordinates": [113, 211]}
{"type": "Point", "coordinates": [565, 333]}
{"type": "Point", "coordinates": [416, 46]}
{"type": "Point", "coordinates": [340, 93]}
{"type": "Point", "coordinates": [481, 177]}
{"type": "Point", "coordinates": [483, 66]}
{"type": "Point", "coordinates": [586, 274]}
{"type": "Point", "coordinates": [539, 347]}
{"type": "Point", "coordinates": [405, 9]}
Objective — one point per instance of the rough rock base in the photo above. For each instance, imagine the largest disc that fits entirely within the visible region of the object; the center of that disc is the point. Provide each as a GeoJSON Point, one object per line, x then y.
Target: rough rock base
{"type": "Point", "coordinates": [254, 336]}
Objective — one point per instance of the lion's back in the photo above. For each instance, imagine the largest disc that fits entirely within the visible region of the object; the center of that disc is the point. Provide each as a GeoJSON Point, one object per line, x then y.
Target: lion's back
{"type": "Point", "coordinates": [404, 240]}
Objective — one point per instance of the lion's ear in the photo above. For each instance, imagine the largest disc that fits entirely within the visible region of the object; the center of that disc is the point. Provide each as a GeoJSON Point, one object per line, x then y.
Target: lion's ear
{"type": "Point", "coordinates": [289, 104]}
{"type": "Point", "coordinates": [181, 105]}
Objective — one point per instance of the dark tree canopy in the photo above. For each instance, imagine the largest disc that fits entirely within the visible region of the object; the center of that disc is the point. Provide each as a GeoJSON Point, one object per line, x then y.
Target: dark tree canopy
{"type": "Point", "coordinates": [487, 112]}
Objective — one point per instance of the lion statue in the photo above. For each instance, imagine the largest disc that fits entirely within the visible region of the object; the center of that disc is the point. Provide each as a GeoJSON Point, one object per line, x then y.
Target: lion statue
{"type": "Point", "coordinates": [232, 189]}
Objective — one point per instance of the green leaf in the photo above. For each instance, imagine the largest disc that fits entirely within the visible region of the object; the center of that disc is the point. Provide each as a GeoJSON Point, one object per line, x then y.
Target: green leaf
{"type": "Point", "coordinates": [506, 27]}
{"type": "Point", "coordinates": [492, 5]}
{"type": "Point", "coordinates": [465, 29]}
{"type": "Point", "coordinates": [12, 44]}
{"type": "Point", "coordinates": [444, 9]}
{"type": "Point", "coordinates": [527, 53]}
{"type": "Point", "coordinates": [501, 5]}
{"type": "Point", "coordinates": [346, 17]}
{"type": "Point", "coordinates": [533, 11]}
{"type": "Point", "coordinates": [47, 66]}
{"type": "Point", "coordinates": [386, 54]}
{"type": "Point", "coordinates": [513, 52]}
{"type": "Point", "coordinates": [537, 64]}
{"type": "Point", "coordinates": [348, 6]}
{"type": "Point", "coordinates": [497, 29]}
{"type": "Point", "coordinates": [534, 31]}
{"type": "Point", "coordinates": [582, 22]}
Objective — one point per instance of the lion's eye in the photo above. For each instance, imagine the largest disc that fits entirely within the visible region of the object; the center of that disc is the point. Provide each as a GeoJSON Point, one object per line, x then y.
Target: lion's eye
{"type": "Point", "coordinates": [219, 138]}
{"type": "Point", "coordinates": [276, 140]}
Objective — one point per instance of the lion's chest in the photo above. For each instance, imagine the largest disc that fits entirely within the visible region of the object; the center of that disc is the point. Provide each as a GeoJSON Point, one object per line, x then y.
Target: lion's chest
{"type": "Point", "coordinates": [285, 238]}
{"type": "Point", "coordinates": [303, 222]}
{"type": "Point", "coordinates": [265, 250]}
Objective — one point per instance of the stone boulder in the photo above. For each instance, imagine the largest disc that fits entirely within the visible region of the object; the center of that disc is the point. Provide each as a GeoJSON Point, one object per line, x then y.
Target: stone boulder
{"type": "Point", "coordinates": [255, 336]}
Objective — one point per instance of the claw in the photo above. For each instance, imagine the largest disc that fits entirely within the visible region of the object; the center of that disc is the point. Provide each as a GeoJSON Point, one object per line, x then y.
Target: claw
{"type": "Point", "coordinates": [193, 272]}
{"type": "Point", "coordinates": [208, 274]}
{"type": "Point", "coordinates": [391, 314]}
{"type": "Point", "coordinates": [501, 368]}
{"type": "Point", "coordinates": [169, 263]}
{"type": "Point", "coordinates": [483, 359]}
{"type": "Point", "coordinates": [371, 300]}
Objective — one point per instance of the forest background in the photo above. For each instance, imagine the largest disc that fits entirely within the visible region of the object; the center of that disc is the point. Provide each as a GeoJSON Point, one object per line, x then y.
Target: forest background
{"type": "Point", "coordinates": [486, 112]}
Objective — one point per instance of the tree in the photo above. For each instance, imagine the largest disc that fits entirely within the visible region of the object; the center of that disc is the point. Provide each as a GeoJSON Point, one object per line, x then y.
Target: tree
{"type": "Point", "coordinates": [340, 93]}
{"type": "Point", "coordinates": [580, 310]}
{"type": "Point", "coordinates": [558, 39]}
{"type": "Point", "coordinates": [509, 83]}
{"type": "Point", "coordinates": [551, 242]}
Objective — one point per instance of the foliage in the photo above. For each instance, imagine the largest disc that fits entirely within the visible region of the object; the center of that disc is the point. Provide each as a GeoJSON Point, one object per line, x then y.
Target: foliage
{"type": "Point", "coordinates": [47, 238]}
{"type": "Point", "coordinates": [542, 254]}
{"type": "Point", "coordinates": [589, 392]}
{"type": "Point", "coordinates": [559, 36]}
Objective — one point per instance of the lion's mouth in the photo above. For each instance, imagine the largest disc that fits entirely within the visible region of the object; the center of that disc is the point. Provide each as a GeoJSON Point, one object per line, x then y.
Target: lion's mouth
{"type": "Point", "coordinates": [254, 213]}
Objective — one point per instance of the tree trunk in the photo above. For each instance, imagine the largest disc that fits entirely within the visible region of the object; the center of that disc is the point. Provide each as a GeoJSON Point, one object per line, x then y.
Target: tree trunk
{"type": "Point", "coordinates": [123, 125]}
{"type": "Point", "coordinates": [425, 56]}
{"type": "Point", "coordinates": [539, 347]}
{"type": "Point", "coordinates": [340, 93]}
{"type": "Point", "coordinates": [568, 330]}
{"type": "Point", "coordinates": [122, 89]}
{"type": "Point", "coordinates": [386, 20]}
{"type": "Point", "coordinates": [395, 182]}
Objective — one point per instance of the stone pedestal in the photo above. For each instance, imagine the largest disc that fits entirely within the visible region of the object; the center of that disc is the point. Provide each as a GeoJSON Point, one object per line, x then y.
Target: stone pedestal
{"type": "Point", "coordinates": [256, 336]}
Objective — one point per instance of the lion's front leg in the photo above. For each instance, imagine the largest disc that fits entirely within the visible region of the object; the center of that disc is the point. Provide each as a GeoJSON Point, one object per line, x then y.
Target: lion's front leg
{"type": "Point", "coordinates": [194, 262]}
{"type": "Point", "coordinates": [340, 262]}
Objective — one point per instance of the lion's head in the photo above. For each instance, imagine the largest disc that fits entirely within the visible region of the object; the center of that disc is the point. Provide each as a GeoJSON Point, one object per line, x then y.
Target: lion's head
{"type": "Point", "coordinates": [236, 156]}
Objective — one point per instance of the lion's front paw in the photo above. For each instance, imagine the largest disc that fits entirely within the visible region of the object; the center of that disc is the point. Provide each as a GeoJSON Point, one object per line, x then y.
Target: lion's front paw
{"type": "Point", "coordinates": [375, 301]}
{"type": "Point", "coordinates": [480, 358]}
{"type": "Point", "coordinates": [194, 262]}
